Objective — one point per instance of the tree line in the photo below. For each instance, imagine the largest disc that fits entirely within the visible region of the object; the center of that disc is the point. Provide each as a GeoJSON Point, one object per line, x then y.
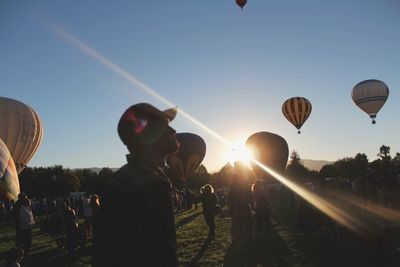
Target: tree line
{"type": "Point", "coordinates": [59, 181]}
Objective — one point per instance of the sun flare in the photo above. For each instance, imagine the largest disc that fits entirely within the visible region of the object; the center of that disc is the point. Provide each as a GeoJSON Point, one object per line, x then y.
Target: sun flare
{"type": "Point", "coordinates": [239, 152]}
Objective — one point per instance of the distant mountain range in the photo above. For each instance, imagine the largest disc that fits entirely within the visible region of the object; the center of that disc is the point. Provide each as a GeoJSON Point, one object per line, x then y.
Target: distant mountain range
{"type": "Point", "coordinates": [96, 169]}
{"type": "Point", "coordinates": [315, 165]}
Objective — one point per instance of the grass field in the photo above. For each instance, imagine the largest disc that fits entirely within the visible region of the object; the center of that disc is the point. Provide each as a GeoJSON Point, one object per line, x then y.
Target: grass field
{"type": "Point", "coordinates": [193, 247]}
{"type": "Point", "coordinates": [282, 246]}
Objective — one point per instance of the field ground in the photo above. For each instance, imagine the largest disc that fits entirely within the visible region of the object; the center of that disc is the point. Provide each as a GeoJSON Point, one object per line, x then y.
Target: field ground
{"type": "Point", "coordinates": [282, 246]}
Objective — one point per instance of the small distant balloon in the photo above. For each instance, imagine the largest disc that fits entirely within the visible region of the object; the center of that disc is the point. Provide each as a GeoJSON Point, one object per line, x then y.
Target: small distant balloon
{"type": "Point", "coordinates": [9, 184]}
{"type": "Point", "coordinates": [269, 149]}
{"type": "Point", "coordinates": [20, 129]}
{"type": "Point", "coordinates": [370, 96]}
{"type": "Point", "coordinates": [297, 110]}
{"type": "Point", "coordinates": [241, 3]}
{"type": "Point", "coordinates": [192, 150]}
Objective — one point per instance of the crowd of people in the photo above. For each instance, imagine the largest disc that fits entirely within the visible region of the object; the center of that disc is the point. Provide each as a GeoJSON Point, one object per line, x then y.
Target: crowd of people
{"type": "Point", "coordinates": [58, 218]}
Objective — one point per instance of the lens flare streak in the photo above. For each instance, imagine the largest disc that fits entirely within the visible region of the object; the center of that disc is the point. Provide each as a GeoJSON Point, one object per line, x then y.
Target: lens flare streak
{"type": "Point", "coordinates": [334, 212]}
{"type": "Point", "coordinates": [366, 205]}
{"type": "Point", "coordinates": [74, 41]}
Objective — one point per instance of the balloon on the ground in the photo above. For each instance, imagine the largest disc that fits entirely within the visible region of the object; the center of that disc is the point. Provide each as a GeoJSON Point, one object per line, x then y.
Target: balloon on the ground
{"type": "Point", "coordinates": [9, 184]}
{"type": "Point", "coordinates": [241, 3]}
{"type": "Point", "coordinates": [297, 110]}
{"type": "Point", "coordinates": [192, 150]}
{"type": "Point", "coordinates": [20, 129]}
{"type": "Point", "coordinates": [269, 149]}
{"type": "Point", "coordinates": [370, 96]}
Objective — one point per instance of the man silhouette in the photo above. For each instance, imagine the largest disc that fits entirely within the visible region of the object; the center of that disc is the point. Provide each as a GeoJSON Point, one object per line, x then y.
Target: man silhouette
{"type": "Point", "coordinates": [135, 225]}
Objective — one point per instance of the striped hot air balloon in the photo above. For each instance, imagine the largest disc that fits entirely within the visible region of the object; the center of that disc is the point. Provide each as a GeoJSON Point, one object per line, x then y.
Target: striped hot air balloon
{"type": "Point", "coordinates": [370, 96]}
{"type": "Point", "coordinates": [192, 150]}
{"type": "Point", "coordinates": [9, 184]}
{"type": "Point", "coordinates": [297, 110]}
{"type": "Point", "coordinates": [20, 129]}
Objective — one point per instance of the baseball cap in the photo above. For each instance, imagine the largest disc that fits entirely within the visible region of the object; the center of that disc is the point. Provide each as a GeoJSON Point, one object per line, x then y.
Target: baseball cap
{"type": "Point", "coordinates": [143, 123]}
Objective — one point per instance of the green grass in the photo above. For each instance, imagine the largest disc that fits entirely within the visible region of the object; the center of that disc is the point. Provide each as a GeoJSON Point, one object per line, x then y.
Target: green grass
{"type": "Point", "coordinates": [193, 247]}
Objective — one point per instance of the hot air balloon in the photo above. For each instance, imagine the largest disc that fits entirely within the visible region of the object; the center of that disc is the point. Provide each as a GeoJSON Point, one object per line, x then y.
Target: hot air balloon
{"type": "Point", "coordinates": [192, 150]}
{"type": "Point", "coordinates": [20, 129]}
{"type": "Point", "coordinates": [270, 150]}
{"type": "Point", "coordinates": [9, 184]}
{"type": "Point", "coordinates": [370, 96]}
{"type": "Point", "coordinates": [241, 3]}
{"type": "Point", "coordinates": [297, 110]}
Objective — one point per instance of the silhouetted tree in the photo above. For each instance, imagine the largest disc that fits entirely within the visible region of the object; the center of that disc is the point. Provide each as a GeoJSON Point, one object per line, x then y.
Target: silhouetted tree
{"type": "Point", "coordinates": [223, 177]}
{"type": "Point", "coordinates": [88, 179]}
{"type": "Point", "coordinates": [68, 182]}
{"type": "Point", "coordinates": [384, 152]}
{"type": "Point", "coordinates": [328, 171]}
{"type": "Point", "coordinates": [199, 178]}
{"type": "Point", "coordinates": [296, 170]}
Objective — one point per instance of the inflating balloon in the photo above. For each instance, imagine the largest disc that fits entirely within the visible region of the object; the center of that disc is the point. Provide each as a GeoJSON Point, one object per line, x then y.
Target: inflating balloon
{"type": "Point", "coordinates": [297, 110]}
{"type": "Point", "coordinates": [192, 150]}
{"type": "Point", "coordinates": [370, 96]}
{"type": "Point", "coordinates": [270, 150]}
{"type": "Point", "coordinates": [20, 129]}
{"type": "Point", "coordinates": [9, 184]}
{"type": "Point", "coordinates": [241, 3]}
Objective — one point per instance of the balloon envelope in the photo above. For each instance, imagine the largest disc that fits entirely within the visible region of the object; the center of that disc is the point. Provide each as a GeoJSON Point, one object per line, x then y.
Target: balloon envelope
{"type": "Point", "coordinates": [20, 129]}
{"type": "Point", "coordinates": [9, 184]}
{"type": "Point", "coordinates": [269, 149]}
{"type": "Point", "coordinates": [192, 150]}
{"type": "Point", "coordinates": [241, 3]}
{"type": "Point", "coordinates": [297, 110]}
{"type": "Point", "coordinates": [370, 96]}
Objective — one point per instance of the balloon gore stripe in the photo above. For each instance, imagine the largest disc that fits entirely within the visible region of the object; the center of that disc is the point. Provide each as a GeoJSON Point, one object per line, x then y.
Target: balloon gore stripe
{"type": "Point", "coordinates": [369, 99]}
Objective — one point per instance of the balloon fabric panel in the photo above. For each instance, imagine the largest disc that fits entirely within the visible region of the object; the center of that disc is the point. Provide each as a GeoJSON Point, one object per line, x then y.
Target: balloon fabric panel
{"type": "Point", "coordinates": [191, 165]}
{"type": "Point", "coordinates": [192, 150]}
{"type": "Point", "coordinates": [21, 130]}
{"type": "Point", "coordinates": [9, 183]}
{"type": "Point", "coordinates": [176, 164]}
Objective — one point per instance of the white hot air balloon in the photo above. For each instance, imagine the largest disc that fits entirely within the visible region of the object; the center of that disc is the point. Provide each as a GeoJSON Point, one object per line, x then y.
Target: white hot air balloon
{"type": "Point", "coordinates": [9, 184]}
{"type": "Point", "coordinates": [20, 129]}
{"type": "Point", "coordinates": [370, 96]}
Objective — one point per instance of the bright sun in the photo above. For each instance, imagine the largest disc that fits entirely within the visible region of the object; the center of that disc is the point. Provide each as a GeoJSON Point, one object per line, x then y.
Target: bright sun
{"type": "Point", "coordinates": [239, 152]}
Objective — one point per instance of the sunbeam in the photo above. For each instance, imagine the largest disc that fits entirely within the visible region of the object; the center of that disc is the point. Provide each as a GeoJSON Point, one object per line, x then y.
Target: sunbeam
{"type": "Point", "coordinates": [334, 212]}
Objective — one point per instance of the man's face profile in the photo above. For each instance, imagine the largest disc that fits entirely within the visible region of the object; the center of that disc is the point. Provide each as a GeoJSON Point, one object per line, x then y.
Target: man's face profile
{"type": "Point", "coordinates": [168, 143]}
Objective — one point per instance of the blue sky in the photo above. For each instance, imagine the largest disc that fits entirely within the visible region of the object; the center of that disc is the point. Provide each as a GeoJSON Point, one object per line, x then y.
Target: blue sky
{"type": "Point", "coordinates": [228, 68]}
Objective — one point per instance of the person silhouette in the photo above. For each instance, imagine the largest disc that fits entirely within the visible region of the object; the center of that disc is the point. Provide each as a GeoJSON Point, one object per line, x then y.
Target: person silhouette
{"type": "Point", "coordinates": [135, 224]}
{"type": "Point", "coordinates": [209, 202]}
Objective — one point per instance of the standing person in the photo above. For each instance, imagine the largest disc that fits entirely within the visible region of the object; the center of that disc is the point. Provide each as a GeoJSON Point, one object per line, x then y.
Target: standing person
{"type": "Point", "coordinates": [16, 214]}
{"type": "Point", "coordinates": [262, 206]}
{"type": "Point", "coordinates": [209, 201]}
{"type": "Point", "coordinates": [195, 199]}
{"type": "Point", "coordinates": [87, 213]}
{"type": "Point", "coordinates": [72, 237]}
{"type": "Point", "coordinates": [240, 201]}
{"type": "Point", "coordinates": [95, 205]}
{"type": "Point", "coordinates": [26, 223]}
{"type": "Point", "coordinates": [136, 224]}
